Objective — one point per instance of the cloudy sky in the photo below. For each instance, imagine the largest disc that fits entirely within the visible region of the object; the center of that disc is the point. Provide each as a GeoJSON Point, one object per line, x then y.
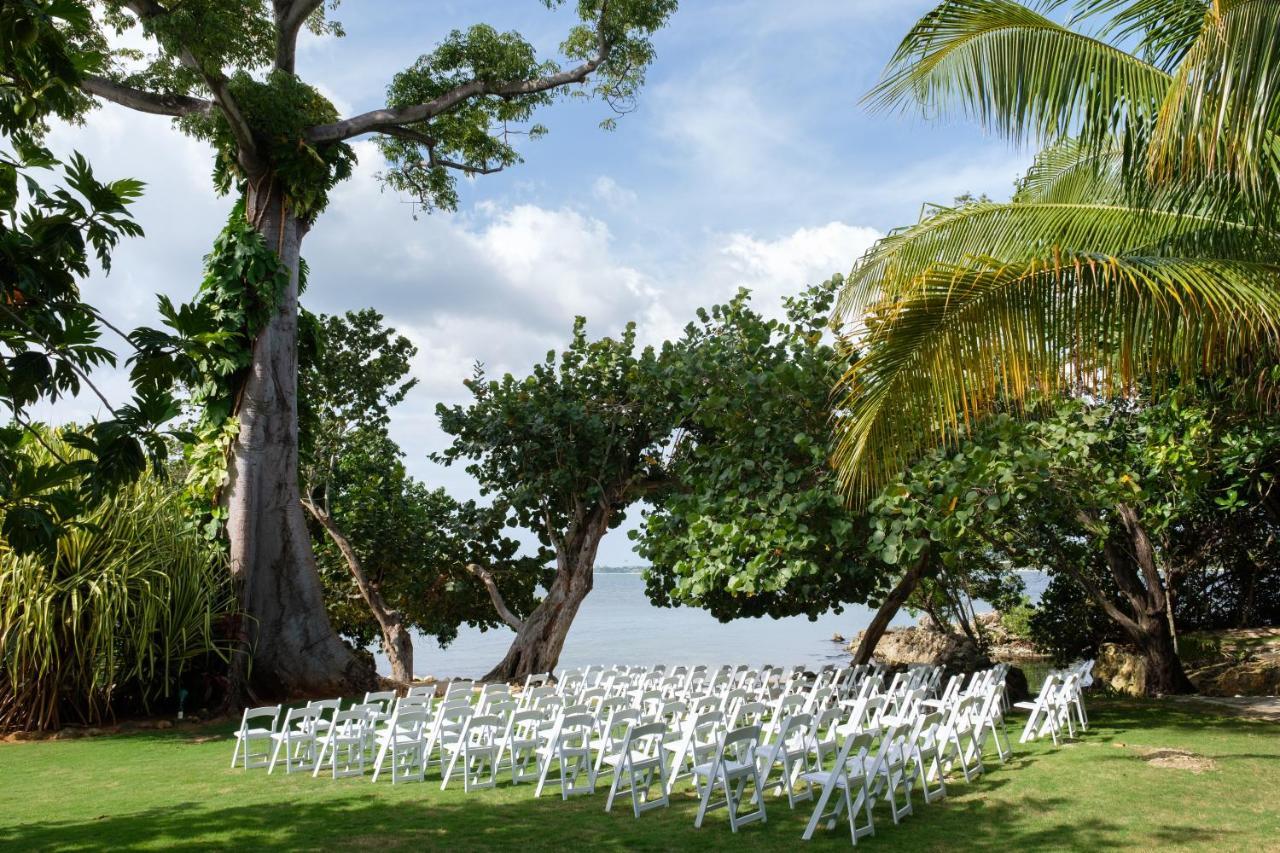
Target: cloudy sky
{"type": "Point", "coordinates": [750, 162]}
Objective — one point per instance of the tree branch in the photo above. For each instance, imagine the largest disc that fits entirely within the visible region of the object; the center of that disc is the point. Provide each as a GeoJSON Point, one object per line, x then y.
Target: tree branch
{"type": "Point", "coordinates": [385, 616]}
{"type": "Point", "coordinates": [216, 82]}
{"type": "Point", "coordinates": [432, 160]}
{"type": "Point", "coordinates": [486, 577]}
{"type": "Point", "coordinates": [157, 103]}
{"type": "Point", "coordinates": [290, 16]}
{"type": "Point", "coordinates": [388, 117]}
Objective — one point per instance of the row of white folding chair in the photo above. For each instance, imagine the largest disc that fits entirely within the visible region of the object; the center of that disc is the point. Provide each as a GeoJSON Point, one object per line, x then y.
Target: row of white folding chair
{"type": "Point", "coordinates": [1059, 705]}
{"type": "Point", "coordinates": [296, 732]}
{"type": "Point", "coordinates": [915, 751]}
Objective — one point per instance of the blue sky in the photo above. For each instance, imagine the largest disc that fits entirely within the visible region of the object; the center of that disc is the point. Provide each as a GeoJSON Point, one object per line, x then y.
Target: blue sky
{"type": "Point", "coordinates": [749, 162]}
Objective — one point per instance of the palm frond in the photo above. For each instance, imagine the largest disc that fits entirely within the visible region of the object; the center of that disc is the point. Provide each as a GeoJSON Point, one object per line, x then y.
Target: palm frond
{"type": "Point", "coordinates": [1222, 113]}
{"type": "Point", "coordinates": [1162, 31]}
{"type": "Point", "coordinates": [900, 265]}
{"type": "Point", "coordinates": [1019, 74]}
{"type": "Point", "coordinates": [969, 338]}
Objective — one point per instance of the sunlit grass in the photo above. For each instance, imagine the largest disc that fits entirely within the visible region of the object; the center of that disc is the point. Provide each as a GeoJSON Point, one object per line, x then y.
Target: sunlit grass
{"type": "Point", "coordinates": [172, 790]}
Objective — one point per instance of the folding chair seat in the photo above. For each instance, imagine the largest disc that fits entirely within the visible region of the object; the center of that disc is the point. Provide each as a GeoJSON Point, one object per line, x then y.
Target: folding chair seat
{"type": "Point", "coordinates": [847, 774]}
{"type": "Point", "coordinates": [256, 724]}
{"type": "Point", "coordinates": [733, 770]}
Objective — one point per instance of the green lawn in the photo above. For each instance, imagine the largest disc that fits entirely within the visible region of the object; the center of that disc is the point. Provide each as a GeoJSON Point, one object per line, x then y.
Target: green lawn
{"type": "Point", "coordinates": [173, 790]}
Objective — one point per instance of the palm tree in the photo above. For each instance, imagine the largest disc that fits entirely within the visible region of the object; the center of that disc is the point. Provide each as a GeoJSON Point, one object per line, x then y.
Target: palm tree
{"type": "Point", "coordinates": [1144, 240]}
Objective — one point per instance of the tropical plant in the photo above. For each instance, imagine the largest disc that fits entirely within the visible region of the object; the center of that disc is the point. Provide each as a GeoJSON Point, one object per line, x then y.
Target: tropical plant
{"type": "Point", "coordinates": [131, 600]}
{"type": "Point", "coordinates": [50, 235]}
{"type": "Point", "coordinates": [1141, 245]}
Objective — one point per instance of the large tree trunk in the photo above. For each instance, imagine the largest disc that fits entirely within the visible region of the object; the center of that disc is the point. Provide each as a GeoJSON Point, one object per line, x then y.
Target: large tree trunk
{"type": "Point", "coordinates": [397, 643]}
{"type": "Point", "coordinates": [294, 648]}
{"type": "Point", "coordinates": [888, 609]}
{"type": "Point", "coordinates": [540, 637]}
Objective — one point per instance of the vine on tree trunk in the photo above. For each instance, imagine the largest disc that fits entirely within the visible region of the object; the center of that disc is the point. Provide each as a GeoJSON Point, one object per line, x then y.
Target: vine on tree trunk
{"type": "Point", "coordinates": [209, 352]}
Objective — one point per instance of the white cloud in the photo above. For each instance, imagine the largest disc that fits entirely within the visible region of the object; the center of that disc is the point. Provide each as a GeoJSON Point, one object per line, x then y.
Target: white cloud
{"type": "Point", "coordinates": [613, 194]}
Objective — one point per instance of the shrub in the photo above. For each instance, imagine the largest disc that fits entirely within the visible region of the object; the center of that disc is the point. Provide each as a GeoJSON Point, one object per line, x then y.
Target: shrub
{"type": "Point", "coordinates": [128, 602]}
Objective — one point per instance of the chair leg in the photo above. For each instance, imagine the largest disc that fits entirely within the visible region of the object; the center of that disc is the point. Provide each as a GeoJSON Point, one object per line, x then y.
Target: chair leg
{"type": "Point", "coordinates": [613, 786]}
{"type": "Point", "coordinates": [275, 753]}
{"type": "Point", "coordinates": [706, 799]}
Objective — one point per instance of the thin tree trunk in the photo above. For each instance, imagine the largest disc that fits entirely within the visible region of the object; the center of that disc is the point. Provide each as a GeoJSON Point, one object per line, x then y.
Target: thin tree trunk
{"type": "Point", "coordinates": [540, 637]}
{"type": "Point", "coordinates": [896, 598]}
{"type": "Point", "coordinates": [1131, 560]}
{"type": "Point", "coordinates": [294, 649]}
{"type": "Point", "coordinates": [397, 643]}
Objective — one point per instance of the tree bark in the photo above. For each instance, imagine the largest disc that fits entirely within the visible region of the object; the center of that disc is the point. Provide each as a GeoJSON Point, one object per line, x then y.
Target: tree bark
{"type": "Point", "coordinates": [397, 643]}
{"type": "Point", "coordinates": [293, 647]}
{"type": "Point", "coordinates": [1131, 560]}
{"type": "Point", "coordinates": [540, 638]}
{"type": "Point", "coordinates": [888, 609]}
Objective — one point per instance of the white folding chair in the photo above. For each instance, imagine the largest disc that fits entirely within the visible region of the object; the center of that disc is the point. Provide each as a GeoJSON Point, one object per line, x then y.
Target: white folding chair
{"type": "Point", "coordinates": [732, 770]}
{"type": "Point", "coordinates": [403, 743]}
{"type": "Point", "coordinates": [479, 749]}
{"type": "Point", "coordinates": [252, 729]}
{"type": "Point", "coordinates": [296, 739]}
{"type": "Point", "coordinates": [569, 747]}
{"type": "Point", "coordinates": [892, 771]}
{"type": "Point", "coordinates": [787, 751]}
{"type": "Point", "coordinates": [343, 744]}
{"type": "Point", "coordinates": [848, 775]}
{"type": "Point", "coordinates": [1043, 717]}
{"type": "Point", "coordinates": [695, 745]}
{"type": "Point", "coordinates": [523, 740]}
{"type": "Point", "coordinates": [639, 767]}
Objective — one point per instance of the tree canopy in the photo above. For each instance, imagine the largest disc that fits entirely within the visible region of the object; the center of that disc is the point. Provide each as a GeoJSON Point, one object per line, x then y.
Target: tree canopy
{"type": "Point", "coordinates": [751, 520]}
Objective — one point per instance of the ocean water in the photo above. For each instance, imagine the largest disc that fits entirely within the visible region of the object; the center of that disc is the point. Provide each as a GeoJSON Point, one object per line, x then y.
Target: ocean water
{"type": "Point", "coordinates": [617, 624]}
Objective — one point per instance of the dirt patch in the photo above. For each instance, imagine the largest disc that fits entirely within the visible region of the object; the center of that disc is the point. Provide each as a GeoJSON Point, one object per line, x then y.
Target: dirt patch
{"type": "Point", "coordinates": [204, 738]}
{"type": "Point", "coordinates": [1179, 759]}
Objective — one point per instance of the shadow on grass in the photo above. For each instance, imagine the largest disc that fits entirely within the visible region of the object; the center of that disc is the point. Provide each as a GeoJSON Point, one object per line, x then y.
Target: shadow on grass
{"type": "Point", "coordinates": [351, 815]}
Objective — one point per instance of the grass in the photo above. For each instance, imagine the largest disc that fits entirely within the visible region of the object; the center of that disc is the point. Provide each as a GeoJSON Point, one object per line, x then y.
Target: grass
{"type": "Point", "coordinates": [172, 790]}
